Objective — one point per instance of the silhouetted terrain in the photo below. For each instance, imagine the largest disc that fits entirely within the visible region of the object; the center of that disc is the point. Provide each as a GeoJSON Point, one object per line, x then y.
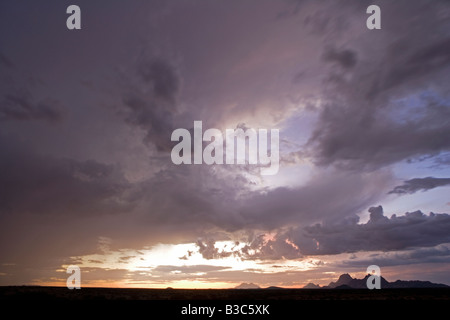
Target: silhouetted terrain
{"type": "Point", "coordinates": [247, 286]}
{"type": "Point", "coordinates": [62, 293]}
{"type": "Point", "coordinates": [345, 281]}
{"type": "Point", "coordinates": [345, 288]}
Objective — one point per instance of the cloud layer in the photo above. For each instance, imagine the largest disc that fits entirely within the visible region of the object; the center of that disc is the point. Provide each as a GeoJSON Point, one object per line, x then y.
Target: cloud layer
{"type": "Point", "coordinates": [380, 233]}
{"type": "Point", "coordinates": [414, 229]}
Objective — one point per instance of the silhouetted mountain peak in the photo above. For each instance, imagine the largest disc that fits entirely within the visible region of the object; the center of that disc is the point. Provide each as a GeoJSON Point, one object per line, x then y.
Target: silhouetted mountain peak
{"type": "Point", "coordinates": [346, 281]}
{"type": "Point", "coordinates": [344, 278]}
{"type": "Point", "coordinates": [311, 286]}
{"type": "Point", "coordinates": [247, 286]}
{"type": "Point", "coordinates": [384, 283]}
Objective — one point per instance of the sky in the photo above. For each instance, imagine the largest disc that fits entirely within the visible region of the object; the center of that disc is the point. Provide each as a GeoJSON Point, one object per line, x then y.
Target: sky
{"type": "Point", "coordinates": [86, 117]}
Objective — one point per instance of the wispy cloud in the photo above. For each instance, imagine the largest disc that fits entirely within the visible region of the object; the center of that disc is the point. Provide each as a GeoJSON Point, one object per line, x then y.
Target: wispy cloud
{"type": "Point", "coordinates": [417, 184]}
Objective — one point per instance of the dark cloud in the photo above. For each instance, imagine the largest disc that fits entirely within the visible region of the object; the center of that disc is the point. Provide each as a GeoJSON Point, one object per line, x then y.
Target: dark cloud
{"type": "Point", "coordinates": [380, 233]}
{"type": "Point", "coordinates": [163, 80]}
{"type": "Point", "coordinates": [414, 229]}
{"type": "Point", "coordinates": [362, 124]}
{"type": "Point", "coordinates": [5, 61]}
{"type": "Point", "coordinates": [208, 250]}
{"type": "Point", "coordinates": [318, 22]}
{"type": "Point", "coordinates": [151, 104]}
{"type": "Point", "coordinates": [356, 134]}
{"type": "Point", "coordinates": [346, 58]}
{"type": "Point", "coordinates": [419, 63]}
{"type": "Point", "coordinates": [329, 21]}
{"type": "Point", "coordinates": [178, 200]}
{"type": "Point", "coordinates": [52, 186]}
{"type": "Point", "coordinates": [125, 259]}
{"type": "Point", "coordinates": [326, 196]}
{"type": "Point", "coordinates": [437, 254]}
{"type": "Point", "coordinates": [258, 247]}
{"type": "Point", "coordinates": [22, 106]}
{"type": "Point", "coordinates": [261, 248]}
{"type": "Point", "coordinates": [417, 184]}
{"type": "Point", "coordinates": [20, 99]}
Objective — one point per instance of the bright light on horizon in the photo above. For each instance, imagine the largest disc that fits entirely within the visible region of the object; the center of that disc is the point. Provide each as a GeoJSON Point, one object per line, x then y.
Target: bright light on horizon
{"type": "Point", "coordinates": [164, 265]}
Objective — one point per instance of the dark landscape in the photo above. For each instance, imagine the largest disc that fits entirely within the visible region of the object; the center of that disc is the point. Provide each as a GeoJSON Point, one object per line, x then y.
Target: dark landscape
{"type": "Point", "coordinates": [345, 281]}
{"type": "Point", "coordinates": [345, 288]}
{"type": "Point", "coordinates": [62, 293]}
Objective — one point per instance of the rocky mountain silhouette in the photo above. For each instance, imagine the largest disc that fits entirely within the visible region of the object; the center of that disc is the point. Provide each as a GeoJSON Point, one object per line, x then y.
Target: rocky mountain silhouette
{"type": "Point", "coordinates": [345, 281]}
{"type": "Point", "coordinates": [311, 286]}
{"type": "Point", "coordinates": [247, 286]}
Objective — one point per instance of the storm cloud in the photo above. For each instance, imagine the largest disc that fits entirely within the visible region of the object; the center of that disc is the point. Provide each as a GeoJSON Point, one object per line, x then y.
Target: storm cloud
{"type": "Point", "coordinates": [380, 233]}
{"type": "Point", "coordinates": [346, 58]}
{"type": "Point", "coordinates": [20, 106]}
{"type": "Point", "coordinates": [364, 123]}
{"type": "Point", "coordinates": [413, 229]}
{"type": "Point", "coordinates": [407, 232]}
{"type": "Point", "coordinates": [45, 185]}
{"type": "Point", "coordinates": [435, 254]}
{"type": "Point", "coordinates": [151, 105]}
{"type": "Point", "coordinates": [417, 184]}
